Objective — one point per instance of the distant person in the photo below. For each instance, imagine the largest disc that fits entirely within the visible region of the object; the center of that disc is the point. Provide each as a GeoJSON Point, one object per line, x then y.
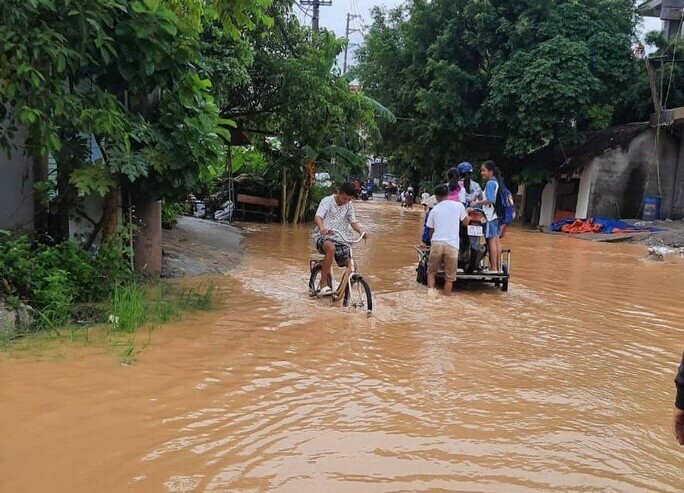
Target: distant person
{"type": "Point", "coordinates": [429, 204]}
{"type": "Point", "coordinates": [357, 188]}
{"type": "Point", "coordinates": [490, 173]}
{"type": "Point", "coordinates": [408, 201]}
{"type": "Point", "coordinates": [678, 414]}
{"type": "Point", "coordinates": [424, 197]}
{"type": "Point", "coordinates": [335, 213]}
{"type": "Point", "coordinates": [444, 224]}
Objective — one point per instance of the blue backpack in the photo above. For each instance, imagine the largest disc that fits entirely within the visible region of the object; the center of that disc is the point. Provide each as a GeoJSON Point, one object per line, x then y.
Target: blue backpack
{"type": "Point", "coordinates": [504, 206]}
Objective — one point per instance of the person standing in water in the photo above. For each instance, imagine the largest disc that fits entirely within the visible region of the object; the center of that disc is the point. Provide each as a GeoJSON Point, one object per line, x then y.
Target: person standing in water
{"type": "Point", "coordinates": [443, 225]}
{"type": "Point", "coordinates": [492, 175]}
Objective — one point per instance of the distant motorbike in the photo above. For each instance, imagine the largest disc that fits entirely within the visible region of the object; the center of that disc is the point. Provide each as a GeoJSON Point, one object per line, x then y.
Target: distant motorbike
{"type": "Point", "coordinates": [364, 194]}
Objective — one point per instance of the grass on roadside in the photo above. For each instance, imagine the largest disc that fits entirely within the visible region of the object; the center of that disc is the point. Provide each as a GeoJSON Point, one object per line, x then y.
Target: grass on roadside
{"type": "Point", "coordinates": [132, 306]}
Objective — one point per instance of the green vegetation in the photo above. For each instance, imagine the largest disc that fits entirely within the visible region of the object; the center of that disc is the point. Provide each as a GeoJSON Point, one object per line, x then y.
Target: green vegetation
{"type": "Point", "coordinates": [51, 278]}
{"type": "Point", "coordinates": [128, 99]}
{"type": "Point", "coordinates": [477, 79]}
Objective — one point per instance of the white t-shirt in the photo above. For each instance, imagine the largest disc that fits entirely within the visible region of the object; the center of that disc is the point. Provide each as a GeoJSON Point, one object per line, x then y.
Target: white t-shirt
{"type": "Point", "coordinates": [490, 191]}
{"type": "Point", "coordinates": [424, 198]}
{"type": "Point", "coordinates": [445, 218]}
{"type": "Point", "coordinates": [337, 217]}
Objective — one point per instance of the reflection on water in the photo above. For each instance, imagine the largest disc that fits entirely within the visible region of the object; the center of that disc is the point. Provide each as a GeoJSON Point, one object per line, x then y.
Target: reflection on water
{"type": "Point", "coordinates": [563, 383]}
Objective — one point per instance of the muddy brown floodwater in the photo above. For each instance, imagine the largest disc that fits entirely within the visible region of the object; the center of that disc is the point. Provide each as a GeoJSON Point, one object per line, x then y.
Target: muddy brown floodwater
{"type": "Point", "coordinates": [562, 384]}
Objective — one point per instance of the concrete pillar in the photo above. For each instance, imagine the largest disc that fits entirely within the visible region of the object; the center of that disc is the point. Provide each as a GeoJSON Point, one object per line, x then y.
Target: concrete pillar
{"type": "Point", "coordinates": [548, 204]}
{"type": "Point", "coordinates": [147, 244]}
{"type": "Point", "coordinates": [586, 180]}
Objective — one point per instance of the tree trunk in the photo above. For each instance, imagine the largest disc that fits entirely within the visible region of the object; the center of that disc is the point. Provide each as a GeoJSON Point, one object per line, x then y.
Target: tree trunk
{"type": "Point", "coordinates": [306, 188]}
{"type": "Point", "coordinates": [305, 201]}
{"type": "Point", "coordinates": [147, 244]}
{"type": "Point", "coordinates": [110, 213]}
{"type": "Point", "coordinates": [283, 198]}
{"type": "Point", "coordinates": [40, 200]}
{"type": "Point", "coordinates": [300, 200]}
{"type": "Point", "coordinates": [65, 166]}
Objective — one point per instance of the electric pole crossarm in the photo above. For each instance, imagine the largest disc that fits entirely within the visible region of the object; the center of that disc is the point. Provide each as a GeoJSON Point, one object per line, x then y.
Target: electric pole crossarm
{"type": "Point", "coordinates": [316, 4]}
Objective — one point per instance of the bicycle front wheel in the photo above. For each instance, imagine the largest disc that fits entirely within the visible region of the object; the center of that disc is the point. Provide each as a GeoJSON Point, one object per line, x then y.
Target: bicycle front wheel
{"type": "Point", "coordinates": [358, 295]}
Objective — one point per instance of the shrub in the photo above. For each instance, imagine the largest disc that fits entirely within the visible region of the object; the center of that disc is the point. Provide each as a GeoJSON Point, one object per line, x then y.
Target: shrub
{"type": "Point", "coordinates": [170, 213]}
{"type": "Point", "coordinates": [50, 278]}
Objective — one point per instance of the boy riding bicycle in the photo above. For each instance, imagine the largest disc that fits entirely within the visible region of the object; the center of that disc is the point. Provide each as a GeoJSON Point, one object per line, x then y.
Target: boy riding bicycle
{"type": "Point", "coordinates": [335, 213]}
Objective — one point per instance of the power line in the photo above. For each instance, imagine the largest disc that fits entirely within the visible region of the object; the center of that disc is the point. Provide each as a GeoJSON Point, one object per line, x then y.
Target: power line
{"type": "Point", "coordinates": [304, 11]}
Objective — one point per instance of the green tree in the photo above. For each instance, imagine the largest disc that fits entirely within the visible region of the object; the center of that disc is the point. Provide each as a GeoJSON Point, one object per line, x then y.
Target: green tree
{"type": "Point", "coordinates": [294, 102]}
{"type": "Point", "coordinates": [470, 79]}
{"type": "Point", "coordinates": [122, 71]}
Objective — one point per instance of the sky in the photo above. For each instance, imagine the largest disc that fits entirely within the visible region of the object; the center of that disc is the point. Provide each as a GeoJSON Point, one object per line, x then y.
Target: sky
{"type": "Point", "coordinates": [335, 18]}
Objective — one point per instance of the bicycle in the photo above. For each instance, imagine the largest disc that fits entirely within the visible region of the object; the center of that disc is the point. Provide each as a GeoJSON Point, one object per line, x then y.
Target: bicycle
{"type": "Point", "coordinates": [353, 289]}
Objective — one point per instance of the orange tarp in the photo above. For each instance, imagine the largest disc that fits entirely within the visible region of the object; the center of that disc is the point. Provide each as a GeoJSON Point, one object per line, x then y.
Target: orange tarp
{"type": "Point", "coordinates": [581, 226]}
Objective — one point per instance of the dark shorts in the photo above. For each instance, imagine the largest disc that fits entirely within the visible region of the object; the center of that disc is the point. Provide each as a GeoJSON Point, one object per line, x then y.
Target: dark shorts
{"type": "Point", "coordinates": [341, 250]}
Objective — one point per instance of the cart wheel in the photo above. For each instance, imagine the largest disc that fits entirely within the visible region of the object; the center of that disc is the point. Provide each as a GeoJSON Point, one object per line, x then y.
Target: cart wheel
{"type": "Point", "coordinates": [504, 284]}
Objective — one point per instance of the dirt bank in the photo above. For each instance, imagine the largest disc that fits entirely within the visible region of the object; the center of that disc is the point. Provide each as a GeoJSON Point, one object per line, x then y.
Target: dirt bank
{"type": "Point", "coordinates": [671, 236]}
{"type": "Point", "coordinates": [200, 247]}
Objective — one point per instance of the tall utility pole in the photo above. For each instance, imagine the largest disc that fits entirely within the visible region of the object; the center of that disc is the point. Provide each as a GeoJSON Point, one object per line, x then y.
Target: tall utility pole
{"type": "Point", "coordinates": [315, 16]}
{"type": "Point", "coordinates": [347, 32]}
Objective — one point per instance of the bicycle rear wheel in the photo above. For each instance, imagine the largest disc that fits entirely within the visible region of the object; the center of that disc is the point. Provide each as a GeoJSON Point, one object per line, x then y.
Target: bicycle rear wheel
{"type": "Point", "coordinates": [359, 296]}
{"type": "Point", "coordinates": [315, 279]}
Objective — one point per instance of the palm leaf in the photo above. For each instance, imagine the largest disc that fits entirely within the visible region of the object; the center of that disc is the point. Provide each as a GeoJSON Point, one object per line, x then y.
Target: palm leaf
{"type": "Point", "coordinates": [381, 110]}
{"type": "Point", "coordinates": [345, 155]}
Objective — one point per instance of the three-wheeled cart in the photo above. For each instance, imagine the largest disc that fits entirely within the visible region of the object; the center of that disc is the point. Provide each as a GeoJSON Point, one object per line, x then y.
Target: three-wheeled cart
{"type": "Point", "coordinates": [481, 274]}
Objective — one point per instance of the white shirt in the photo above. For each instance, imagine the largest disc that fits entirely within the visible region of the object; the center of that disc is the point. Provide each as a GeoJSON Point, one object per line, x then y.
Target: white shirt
{"type": "Point", "coordinates": [337, 217]}
{"type": "Point", "coordinates": [445, 218]}
{"type": "Point", "coordinates": [490, 191]}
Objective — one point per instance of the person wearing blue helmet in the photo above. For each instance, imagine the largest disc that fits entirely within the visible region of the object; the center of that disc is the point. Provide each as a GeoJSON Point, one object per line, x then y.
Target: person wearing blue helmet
{"type": "Point", "coordinates": [472, 189]}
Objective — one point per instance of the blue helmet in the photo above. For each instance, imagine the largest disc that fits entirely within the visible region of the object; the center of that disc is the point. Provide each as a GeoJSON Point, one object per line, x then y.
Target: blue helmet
{"type": "Point", "coordinates": [464, 167]}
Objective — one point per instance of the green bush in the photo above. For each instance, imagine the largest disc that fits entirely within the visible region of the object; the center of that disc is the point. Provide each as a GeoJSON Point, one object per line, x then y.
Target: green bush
{"type": "Point", "coordinates": [51, 278]}
{"type": "Point", "coordinates": [54, 298]}
{"type": "Point", "coordinates": [170, 213]}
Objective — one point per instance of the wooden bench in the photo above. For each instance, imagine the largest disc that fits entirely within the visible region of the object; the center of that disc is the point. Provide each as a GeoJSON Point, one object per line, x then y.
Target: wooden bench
{"type": "Point", "coordinates": [244, 200]}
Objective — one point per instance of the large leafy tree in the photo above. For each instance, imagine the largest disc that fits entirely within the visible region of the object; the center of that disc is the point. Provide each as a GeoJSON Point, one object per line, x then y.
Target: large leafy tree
{"type": "Point", "coordinates": [292, 100]}
{"type": "Point", "coordinates": [501, 78]}
{"type": "Point", "coordinates": [124, 72]}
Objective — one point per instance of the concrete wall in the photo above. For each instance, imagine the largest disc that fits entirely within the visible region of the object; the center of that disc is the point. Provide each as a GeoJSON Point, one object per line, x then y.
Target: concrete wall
{"type": "Point", "coordinates": [673, 198]}
{"type": "Point", "coordinates": [16, 189]}
{"type": "Point", "coordinates": [624, 176]}
{"type": "Point", "coordinates": [80, 228]}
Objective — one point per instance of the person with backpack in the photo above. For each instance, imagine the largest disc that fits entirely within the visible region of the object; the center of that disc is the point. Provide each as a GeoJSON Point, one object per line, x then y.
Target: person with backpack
{"type": "Point", "coordinates": [491, 174]}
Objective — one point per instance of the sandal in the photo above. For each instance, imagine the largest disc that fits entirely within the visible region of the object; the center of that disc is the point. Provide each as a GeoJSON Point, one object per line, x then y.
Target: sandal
{"type": "Point", "coordinates": [325, 291]}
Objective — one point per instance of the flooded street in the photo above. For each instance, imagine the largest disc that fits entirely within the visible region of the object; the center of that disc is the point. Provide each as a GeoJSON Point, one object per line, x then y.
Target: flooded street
{"type": "Point", "coordinates": [564, 383]}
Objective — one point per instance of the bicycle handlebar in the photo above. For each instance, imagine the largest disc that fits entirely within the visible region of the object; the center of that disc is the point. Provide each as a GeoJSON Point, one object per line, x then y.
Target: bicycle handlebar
{"type": "Point", "coordinates": [344, 238]}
